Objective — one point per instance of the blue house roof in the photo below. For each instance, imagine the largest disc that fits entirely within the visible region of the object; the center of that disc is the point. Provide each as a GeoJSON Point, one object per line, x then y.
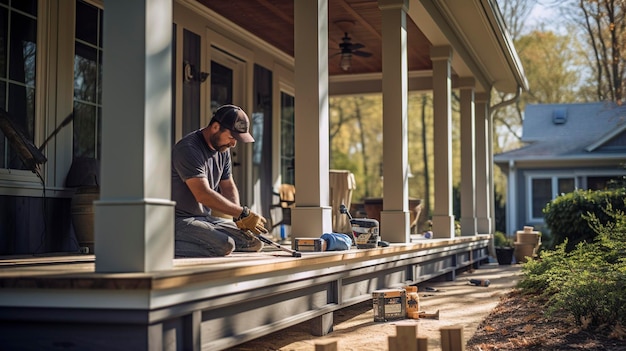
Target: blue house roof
{"type": "Point", "coordinates": [570, 131]}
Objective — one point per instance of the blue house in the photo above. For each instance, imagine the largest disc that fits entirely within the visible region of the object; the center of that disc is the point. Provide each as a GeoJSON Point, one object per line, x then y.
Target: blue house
{"type": "Point", "coordinates": [567, 147]}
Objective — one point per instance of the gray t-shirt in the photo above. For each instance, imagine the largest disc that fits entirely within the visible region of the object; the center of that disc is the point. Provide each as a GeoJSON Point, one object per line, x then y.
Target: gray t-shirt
{"type": "Point", "coordinates": [192, 158]}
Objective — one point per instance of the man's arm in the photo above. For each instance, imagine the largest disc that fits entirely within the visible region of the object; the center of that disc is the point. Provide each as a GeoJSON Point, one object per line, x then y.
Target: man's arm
{"type": "Point", "coordinates": [229, 190]}
{"type": "Point", "coordinates": [227, 202]}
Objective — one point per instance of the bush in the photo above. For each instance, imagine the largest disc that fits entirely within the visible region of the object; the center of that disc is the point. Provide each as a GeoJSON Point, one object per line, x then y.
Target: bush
{"type": "Point", "coordinates": [589, 281]}
{"type": "Point", "coordinates": [500, 240]}
{"type": "Point", "coordinates": [567, 215]}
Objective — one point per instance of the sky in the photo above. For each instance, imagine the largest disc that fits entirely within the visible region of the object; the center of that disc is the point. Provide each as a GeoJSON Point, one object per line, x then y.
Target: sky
{"type": "Point", "coordinates": [547, 14]}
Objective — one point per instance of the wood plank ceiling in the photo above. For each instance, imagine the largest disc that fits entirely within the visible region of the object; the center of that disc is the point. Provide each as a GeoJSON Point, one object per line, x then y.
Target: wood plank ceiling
{"type": "Point", "coordinates": [272, 21]}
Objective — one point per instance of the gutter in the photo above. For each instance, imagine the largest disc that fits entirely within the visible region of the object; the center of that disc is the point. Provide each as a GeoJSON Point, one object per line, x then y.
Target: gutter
{"type": "Point", "coordinates": [505, 103]}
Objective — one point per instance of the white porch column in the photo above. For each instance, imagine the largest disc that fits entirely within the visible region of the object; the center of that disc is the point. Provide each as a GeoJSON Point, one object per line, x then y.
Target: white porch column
{"type": "Point", "coordinates": [483, 222]}
{"type": "Point", "coordinates": [511, 198]}
{"type": "Point", "coordinates": [134, 219]}
{"type": "Point", "coordinates": [491, 189]}
{"type": "Point", "coordinates": [468, 158]}
{"type": "Point", "coordinates": [312, 215]}
{"type": "Point", "coordinates": [395, 216]}
{"type": "Point", "coordinates": [443, 219]}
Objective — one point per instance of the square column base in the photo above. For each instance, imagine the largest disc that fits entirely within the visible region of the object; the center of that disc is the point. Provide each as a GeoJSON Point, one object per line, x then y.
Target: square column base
{"type": "Point", "coordinates": [134, 235]}
{"type": "Point", "coordinates": [483, 225]}
{"type": "Point", "coordinates": [395, 226]}
{"type": "Point", "coordinates": [443, 227]}
{"type": "Point", "coordinates": [310, 222]}
{"type": "Point", "coordinates": [468, 226]}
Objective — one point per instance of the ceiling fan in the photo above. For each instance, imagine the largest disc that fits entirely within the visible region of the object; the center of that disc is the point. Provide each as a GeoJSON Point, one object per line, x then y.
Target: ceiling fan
{"type": "Point", "coordinates": [348, 49]}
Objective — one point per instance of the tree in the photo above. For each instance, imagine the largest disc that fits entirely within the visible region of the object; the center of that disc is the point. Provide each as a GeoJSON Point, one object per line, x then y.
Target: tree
{"type": "Point", "coordinates": [605, 26]}
{"type": "Point", "coordinates": [602, 24]}
{"type": "Point", "coordinates": [356, 140]}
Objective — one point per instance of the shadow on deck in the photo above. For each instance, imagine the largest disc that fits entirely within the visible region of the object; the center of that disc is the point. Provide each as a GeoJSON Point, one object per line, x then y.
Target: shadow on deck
{"type": "Point", "coordinates": [208, 304]}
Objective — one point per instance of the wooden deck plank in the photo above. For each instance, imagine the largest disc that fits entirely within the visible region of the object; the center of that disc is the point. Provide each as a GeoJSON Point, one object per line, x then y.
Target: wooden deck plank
{"type": "Point", "coordinates": [74, 271]}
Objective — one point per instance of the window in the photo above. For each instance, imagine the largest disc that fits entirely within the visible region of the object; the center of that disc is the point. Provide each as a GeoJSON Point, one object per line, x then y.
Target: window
{"type": "Point", "coordinates": [287, 130]}
{"type": "Point", "coordinates": [87, 81]}
{"type": "Point", "coordinates": [18, 58]}
{"type": "Point", "coordinates": [599, 183]}
{"type": "Point", "coordinates": [543, 190]}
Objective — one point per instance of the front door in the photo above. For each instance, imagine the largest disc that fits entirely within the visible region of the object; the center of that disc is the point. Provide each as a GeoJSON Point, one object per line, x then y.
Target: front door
{"type": "Point", "coordinates": [227, 87]}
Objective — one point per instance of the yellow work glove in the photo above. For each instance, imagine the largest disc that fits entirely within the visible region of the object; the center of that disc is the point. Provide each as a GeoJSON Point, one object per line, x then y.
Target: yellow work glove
{"type": "Point", "coordinates": [253, 222]}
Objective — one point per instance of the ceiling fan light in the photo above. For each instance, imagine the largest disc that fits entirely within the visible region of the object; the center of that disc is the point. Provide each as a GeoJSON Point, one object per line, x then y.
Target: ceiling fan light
{"type": "Point", "coordinates": [346, 62]}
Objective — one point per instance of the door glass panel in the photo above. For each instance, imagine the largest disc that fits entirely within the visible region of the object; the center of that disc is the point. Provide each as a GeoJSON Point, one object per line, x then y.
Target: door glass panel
{"type": "Point", "coordinates": [287, 132]}
{"type": "Point", "coordinates": [262, 132]}
{"type": "Point", "coordinates": [227, 88]}
{"type": "Point", "coordinates": [221, 85]}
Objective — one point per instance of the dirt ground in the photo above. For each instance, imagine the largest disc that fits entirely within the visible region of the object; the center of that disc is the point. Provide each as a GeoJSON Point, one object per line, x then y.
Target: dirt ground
{"type": "Point", "coordinates": [459, 304]}
{"type": "Point", "coordinates": [519, 323]}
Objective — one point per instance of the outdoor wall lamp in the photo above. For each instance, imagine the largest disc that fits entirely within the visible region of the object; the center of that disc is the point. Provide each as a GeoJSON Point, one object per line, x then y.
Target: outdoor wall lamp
{"type": "Point", "coordinates": [190, 73]}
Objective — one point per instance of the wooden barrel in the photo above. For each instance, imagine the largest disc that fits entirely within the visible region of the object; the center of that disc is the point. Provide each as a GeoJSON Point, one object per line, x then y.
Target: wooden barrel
{"type": "Point", "coordinates": [82, 212]}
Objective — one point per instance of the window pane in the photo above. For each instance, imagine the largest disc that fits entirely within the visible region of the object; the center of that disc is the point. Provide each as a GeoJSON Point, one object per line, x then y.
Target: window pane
{"type": "Point", "coordinates": [566, 185]}
{"type": "Point", "coordinates": [22, 49]}
{"type": "Point", "coordinates": [87, 81]}
{"type": "Point", "coordinates": [4, 35]}
{"type": "Point", "coordinates": [87, 21]}
{"type": "Point", "coordinates": [598, 183]}
{"type": "Point", "coordinates": [18, 47]}
{"type": "Point", "coordinates": [84, 130]}
{"type": "Point", "coordinates": [542, 194]}
{"type": "Point", "coordinates": [85, 73]}
{"type": "Point", "coordinates": [3, 140]}
{"type": "Point", "coordinates": [3, 94]}
{"type": "Point", "coordinates": [28, 6]}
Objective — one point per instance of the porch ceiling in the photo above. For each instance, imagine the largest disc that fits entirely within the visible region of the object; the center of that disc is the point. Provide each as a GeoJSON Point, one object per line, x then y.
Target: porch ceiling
{"type": "Point", "coordinates": [272, 21]}
{"type": "Point", "coordinates": [473, 28]}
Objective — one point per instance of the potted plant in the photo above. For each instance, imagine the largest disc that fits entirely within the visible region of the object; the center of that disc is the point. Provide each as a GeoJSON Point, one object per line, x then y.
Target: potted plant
{"type": "Point", "coordinates": [504, 248]}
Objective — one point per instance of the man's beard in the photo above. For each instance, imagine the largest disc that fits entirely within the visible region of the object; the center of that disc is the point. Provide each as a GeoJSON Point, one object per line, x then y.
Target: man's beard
{"type": "Point", "coordinates": [214, 139]}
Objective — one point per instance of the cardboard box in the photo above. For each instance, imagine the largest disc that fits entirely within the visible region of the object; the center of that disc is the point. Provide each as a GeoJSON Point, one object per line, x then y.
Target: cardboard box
{"type": "Point", "coordinates": [389, 304]}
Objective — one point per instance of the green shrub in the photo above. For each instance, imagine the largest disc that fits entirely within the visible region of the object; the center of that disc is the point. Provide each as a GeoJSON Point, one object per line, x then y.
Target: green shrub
{"type": "Point", "coordinates": [500, 240]}
{"type": "Point", "coordinates": [567, 215]}
{"type": "Point", "coordinates": [589, 281]}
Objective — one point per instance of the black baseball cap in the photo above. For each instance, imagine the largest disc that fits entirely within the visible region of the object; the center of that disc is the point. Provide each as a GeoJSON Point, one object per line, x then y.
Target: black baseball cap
{"type": "Point", "coordinates": [236, 120]}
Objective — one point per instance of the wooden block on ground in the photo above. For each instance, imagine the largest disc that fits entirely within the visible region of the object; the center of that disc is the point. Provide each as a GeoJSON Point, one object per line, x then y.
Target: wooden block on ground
{"type": "Point", "coordinates": [422, 343]}
{"type": "Point", "coordinates": [326, 345]}
{"type": "Point", "coordinates": [406, 334]}
{"type": "Point", "coordinates": [452, 338]}
{"type": "Point", "coordinates": [392, 343]}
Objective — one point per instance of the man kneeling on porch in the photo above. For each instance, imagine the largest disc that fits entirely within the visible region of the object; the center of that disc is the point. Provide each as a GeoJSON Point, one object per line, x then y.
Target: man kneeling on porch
{"type": "Point", "coordinates": [202, 181]}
